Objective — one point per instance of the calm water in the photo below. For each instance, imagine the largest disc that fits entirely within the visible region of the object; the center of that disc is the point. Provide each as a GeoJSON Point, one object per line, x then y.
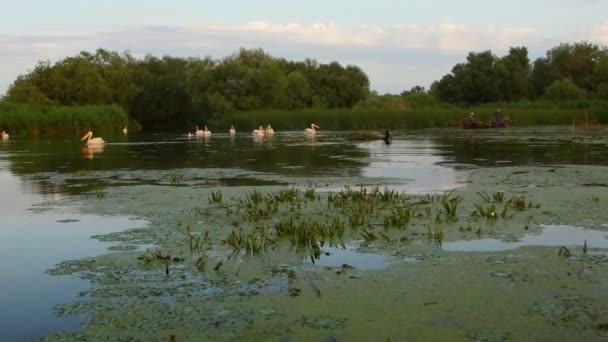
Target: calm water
{"type": "Point", "coordinates": [38, 229]}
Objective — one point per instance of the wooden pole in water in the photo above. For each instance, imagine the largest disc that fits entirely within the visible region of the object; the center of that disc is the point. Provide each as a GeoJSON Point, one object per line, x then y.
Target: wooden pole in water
{"type": "Point", "coordinates": [572, 124]}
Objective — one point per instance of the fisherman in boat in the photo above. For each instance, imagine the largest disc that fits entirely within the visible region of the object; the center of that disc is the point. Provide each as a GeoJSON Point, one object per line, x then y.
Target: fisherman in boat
{"type": "Point", "coordinates": [499, 121]}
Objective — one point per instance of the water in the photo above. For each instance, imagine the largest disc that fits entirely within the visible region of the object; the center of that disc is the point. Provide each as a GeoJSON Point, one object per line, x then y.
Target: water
{"type": "Point", "coordinates": [36, 175]}
{"type": "Point", "coordinates": [551, 235]}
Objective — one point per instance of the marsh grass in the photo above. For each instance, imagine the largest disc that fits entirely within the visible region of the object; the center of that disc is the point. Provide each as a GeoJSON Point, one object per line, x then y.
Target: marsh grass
{"type": "Point", "coordinates": [399, 217]}
{"type": "Point", "coordinates": [36, 120]}
{"type": "Point", "coordinates": [99, 194]}
{"type": "Point", "coordinates": [252, 243]}
{"type": "Point", "coordinates": [488, 212]}
{"type": "Point", "coordinates": [80, 173]}
{"type": "Point", "coordinates": [518, 202]}
{"type": "Point", "coordinates": [216, 197]}
{"type": "Point", "coordinates": [196, 242]}
{"type": "Point", "coordinates": [522, 113]}
{"type": "Point", "coordinates": [174, 177]}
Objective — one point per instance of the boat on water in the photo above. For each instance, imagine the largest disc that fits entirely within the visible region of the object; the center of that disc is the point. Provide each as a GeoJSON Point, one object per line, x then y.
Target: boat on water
{"type": "Point", "coordinates": [472, 122]}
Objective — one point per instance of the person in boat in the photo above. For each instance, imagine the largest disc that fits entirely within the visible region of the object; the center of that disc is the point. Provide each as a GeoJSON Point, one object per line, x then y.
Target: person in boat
{"type": "Point", "coordinates": [499, 120]}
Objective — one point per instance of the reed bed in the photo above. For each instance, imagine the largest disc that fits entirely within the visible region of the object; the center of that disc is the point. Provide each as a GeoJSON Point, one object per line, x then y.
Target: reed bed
{"type": "Point", "coordinates": [35, 120]}
{"type": "Point", "coordinates": [521, 114]}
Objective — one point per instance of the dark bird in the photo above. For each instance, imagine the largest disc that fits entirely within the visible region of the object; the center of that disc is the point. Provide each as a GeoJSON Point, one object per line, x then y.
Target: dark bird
{"type": "Point", "coordinates": [388, 138]}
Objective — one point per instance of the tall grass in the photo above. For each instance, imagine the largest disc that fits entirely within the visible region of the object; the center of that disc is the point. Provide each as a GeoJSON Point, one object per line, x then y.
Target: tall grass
{"type": "Point", "coordinates": [521, 114]}
{"type": "Point", "coordinates": [30, 119]}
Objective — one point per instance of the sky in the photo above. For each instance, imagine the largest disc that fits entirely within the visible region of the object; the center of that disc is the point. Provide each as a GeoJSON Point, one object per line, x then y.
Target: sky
{"type": "Point", "coordinates": [398, 44]}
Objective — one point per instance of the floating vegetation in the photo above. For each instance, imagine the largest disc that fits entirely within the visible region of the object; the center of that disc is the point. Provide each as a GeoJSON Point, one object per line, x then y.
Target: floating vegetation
{"type": "Point", "coordinates": [174, 177]}
{"type": "Point", "coordinates": [290, 195]}
{"type": "Point", "coordinates": [216, 197]}
{"type": "Point", "coordinates": [595, 199]}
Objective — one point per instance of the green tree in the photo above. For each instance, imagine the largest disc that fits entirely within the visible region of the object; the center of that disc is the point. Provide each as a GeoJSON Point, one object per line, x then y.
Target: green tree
{"type": "Point", "coordinates": [564, 89]}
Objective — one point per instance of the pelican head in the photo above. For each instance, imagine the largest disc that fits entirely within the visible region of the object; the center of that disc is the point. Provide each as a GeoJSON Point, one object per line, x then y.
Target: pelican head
{"type": "Point", "coordinates": [313, 126]}
{"type": "Point", "coordinates": [87, 136]}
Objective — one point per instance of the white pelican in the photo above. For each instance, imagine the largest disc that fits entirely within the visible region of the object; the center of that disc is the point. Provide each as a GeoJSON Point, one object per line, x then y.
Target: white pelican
{"type": "Point", "coordinates": [311, 130]}
{"type": "Point", "coordinates": [4, 135]}
{"type": "Point", "coordinates": [206, 131]}
{"type": "Point", "coordinates": [268, 130]}
{"type": "Point", "coordinates": [124, 130]}
{"type": "Point", "coordinates": [198, 132]}
{"type": "Point", "coordinates": [259, 131]}
{"type": "Point", "coordinates": [94, 141]}
{"type": "Point", "coordinates": [232, 130]}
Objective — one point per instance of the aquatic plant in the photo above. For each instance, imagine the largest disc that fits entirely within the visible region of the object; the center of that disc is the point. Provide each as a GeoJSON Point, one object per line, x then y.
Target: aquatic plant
{"type": "Point", "coordinates": [99, 194]}
{"type": "Point", "coordinates": [398, 217]}
{"type": "Point", "coordinates": [36, 120]}
{"type": "Point", "coordinates": [389, 196]}
{"type": "Point", "coordinates": [498, 196]}
{"type": "Point", "coordinates": [253, 198]}
{"type": "Point", "coordinates": [174, 177]}
{"type": "Point", "coordinates": [438, 232]}
{"type": "Point", "coordinates": [488, 212]}
{"type": "Point", "coordinates": [563, 251]}
{"type": "Point", "coordinates": [253, 243]}
{"type": "Point", "coordinates": [290, 195]}
{"type": "Point", "coordinates": [368, 236]}
{"type": "Point", "coordinates": [196, 242]}
{"type": "Point", "coordinates": [216, 197]}
{"type": "Point", "coordinates": [309, 194]}
{"type": "Point", "coordinates": [257, 213]}
{"type": "Point", "coordinates": [451, 206]}
{"type": "Point", "coordinates": [518, 202]}
{"type": "Point", "coordinates": [80, 173]}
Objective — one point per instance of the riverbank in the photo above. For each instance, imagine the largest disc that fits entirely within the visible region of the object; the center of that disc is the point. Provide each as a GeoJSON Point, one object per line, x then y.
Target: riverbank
{"type": "Point", "coordinates": [41, 120]}
{"type": "Point", "coordinates": [240, 263]}
{"type": "Point", "coordinates": [581, 114]}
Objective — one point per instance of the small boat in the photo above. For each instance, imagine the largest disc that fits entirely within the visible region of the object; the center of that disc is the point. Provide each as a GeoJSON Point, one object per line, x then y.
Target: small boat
{"type": "Point", "coordinates": [472, 122]}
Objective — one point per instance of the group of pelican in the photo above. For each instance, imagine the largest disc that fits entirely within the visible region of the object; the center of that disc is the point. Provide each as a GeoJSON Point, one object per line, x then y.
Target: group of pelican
{"type": "Point", "coordinates": [263, 132]}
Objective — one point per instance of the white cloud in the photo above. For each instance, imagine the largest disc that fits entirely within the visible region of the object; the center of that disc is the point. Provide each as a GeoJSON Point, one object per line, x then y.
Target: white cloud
{"type": "Point", "coordinates": [597, 33]}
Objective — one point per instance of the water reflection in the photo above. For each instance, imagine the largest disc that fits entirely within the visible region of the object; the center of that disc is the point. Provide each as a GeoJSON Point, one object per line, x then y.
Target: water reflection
{"type": "Point", "coordinates": [417, 161]}
{"type": "Point", "coordinates": [419, 166]}
{"type": "Point", "coordinates": [89, 151]}
{"type": "Point", "coordinates": [33, 239]}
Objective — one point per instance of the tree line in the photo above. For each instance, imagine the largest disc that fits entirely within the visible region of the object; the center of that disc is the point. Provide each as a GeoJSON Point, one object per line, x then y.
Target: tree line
{"type": "Point", "coordinates": [568, 72]}
{"type": "Point", "coordinates": [176, 92]}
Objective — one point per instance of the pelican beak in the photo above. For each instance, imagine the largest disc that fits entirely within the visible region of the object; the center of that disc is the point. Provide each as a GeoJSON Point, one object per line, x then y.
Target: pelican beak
{"type": "Point", "coordinates": [85, 136]}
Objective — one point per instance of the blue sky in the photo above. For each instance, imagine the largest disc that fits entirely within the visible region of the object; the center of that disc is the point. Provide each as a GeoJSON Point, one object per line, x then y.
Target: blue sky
{"type": "Point", "coordinates": [399, 44]}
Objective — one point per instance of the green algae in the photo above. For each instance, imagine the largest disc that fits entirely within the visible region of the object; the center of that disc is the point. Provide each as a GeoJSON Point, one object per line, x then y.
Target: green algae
{"type": "Point", "coordinates": [511, 295]}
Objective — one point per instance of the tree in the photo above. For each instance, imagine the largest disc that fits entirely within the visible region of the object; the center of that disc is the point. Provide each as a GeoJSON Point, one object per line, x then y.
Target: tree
{"type": "Point", "coordinates": [564, 89]}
